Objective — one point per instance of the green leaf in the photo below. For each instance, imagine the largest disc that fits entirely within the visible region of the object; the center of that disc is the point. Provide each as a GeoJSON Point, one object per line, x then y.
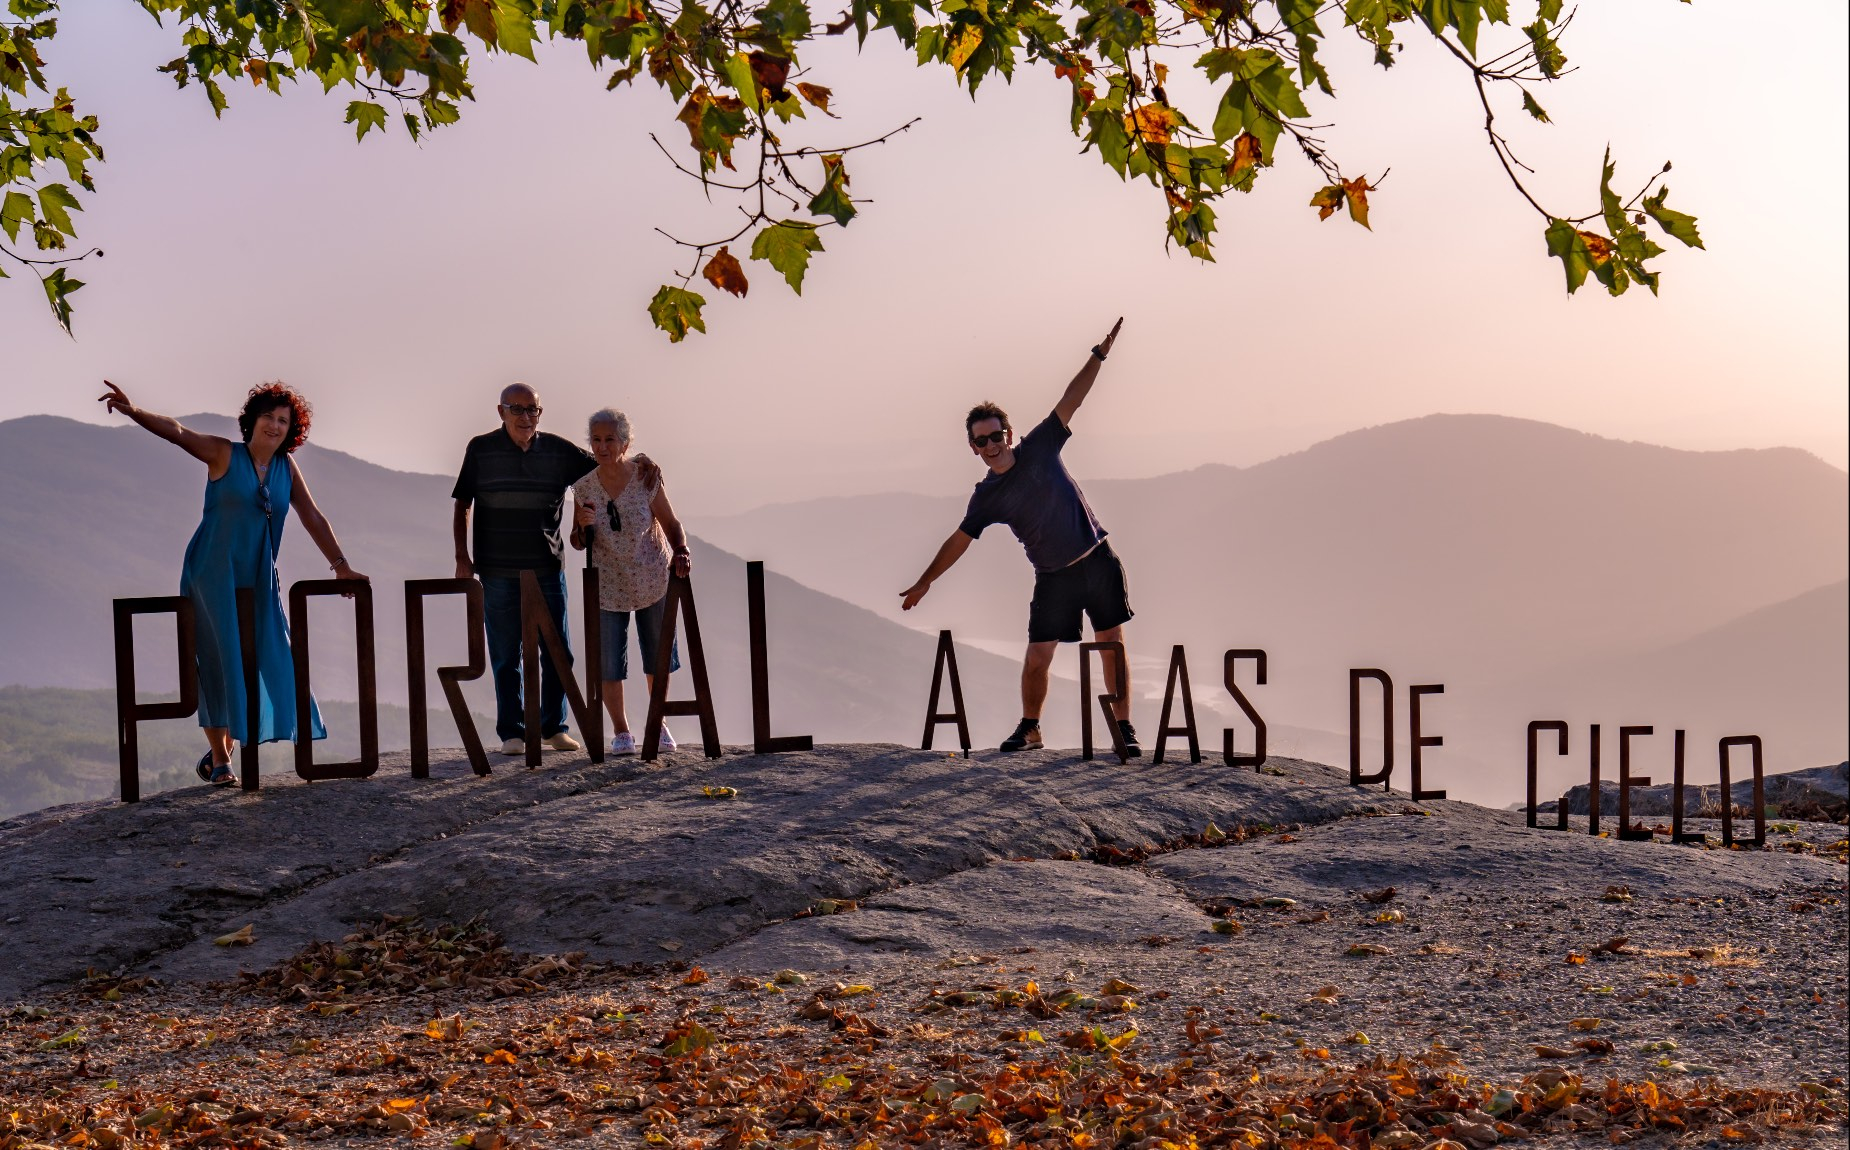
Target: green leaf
{"type": "Point", "coordinates": [787, 245]}
{"type": "Point", "coordinates": [56, 203]}
{"type": "Point", "coordinates": [58, 290]}
{"type": "Point", "coordinates": [17, 209]}
{"type": "Point", "coordinates": [365, 116]}
{"type": "Point", "coordinates": [675, 310]}
{"type": "Point", "coordinates": [514, 28]}
{"type": "Point", "coordinates": [1534, 109]}
{"type": "Point", "coordinates": [833, 199]}
{"type": "Point", "coordinates": [1609, 207]}
{"type": "Point", "coordinates": [1680, 225]}
{"type": "Point", "coordinates": [1566, 244]}
{"type": "Point", "coordinates": [739, 75]}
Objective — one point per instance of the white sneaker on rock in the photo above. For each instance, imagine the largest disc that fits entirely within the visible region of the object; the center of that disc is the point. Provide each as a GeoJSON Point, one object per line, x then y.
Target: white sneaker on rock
{"type": "Point", "coordinates": [623, 743]}
{"type": "Point", "coordinates": [668, 743]}
{"type": "Point", "coordinates": [563, 741]}
{"type": "Point", "coordinates": [514, 747]}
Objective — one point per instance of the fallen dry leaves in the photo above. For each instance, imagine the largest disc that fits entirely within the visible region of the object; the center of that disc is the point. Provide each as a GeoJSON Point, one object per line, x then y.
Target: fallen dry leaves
{"type": "Point", "coordinates": [667, 1059]}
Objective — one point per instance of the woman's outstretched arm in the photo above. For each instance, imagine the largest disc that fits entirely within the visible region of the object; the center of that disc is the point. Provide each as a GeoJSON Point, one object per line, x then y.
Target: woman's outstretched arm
{"type": "Point", "coordinates": [212, 450]}
{"type": "Point", "coordinates": [317, 525]}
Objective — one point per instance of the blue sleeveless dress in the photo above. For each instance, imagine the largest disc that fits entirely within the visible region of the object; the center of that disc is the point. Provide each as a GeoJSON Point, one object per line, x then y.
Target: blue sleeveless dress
{"type": "Point", "coordinates": [236, 546]}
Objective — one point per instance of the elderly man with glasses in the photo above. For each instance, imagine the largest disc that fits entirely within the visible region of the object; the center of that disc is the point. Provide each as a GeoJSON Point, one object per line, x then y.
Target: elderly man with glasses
{"type": "Point", "coordinates": [1076, 574]}
{"type": "Point", "coordinates": [515, 479]}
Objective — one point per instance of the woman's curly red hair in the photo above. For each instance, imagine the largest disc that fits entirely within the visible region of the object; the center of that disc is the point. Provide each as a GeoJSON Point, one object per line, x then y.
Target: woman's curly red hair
{"type": "Point", "coordinates": [267, 397]}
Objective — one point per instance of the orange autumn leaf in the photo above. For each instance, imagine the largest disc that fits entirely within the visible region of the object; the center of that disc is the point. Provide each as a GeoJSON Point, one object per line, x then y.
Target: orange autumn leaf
{"type": "Point", "coordinates": [1151, 124]}
{"type": "Point", "coordinates": [696, 976]}
{"type": "Point", "coordinates": [1598, 246]}
{"type": "Point", "coordinates": [1248, 153]}
{"type": "Point", "coordinates": [498, 1057]}
{"type": "Point", "coordinates": [1356, 191]}
{"type": "Point", "coordinates": [817, 95]}
{"type": "Point", "coordinates": [723, 272]}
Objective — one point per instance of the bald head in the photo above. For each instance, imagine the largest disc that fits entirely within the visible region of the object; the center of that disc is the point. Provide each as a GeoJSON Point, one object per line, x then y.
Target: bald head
{"type": "Point", "coordinates": [520, 413]}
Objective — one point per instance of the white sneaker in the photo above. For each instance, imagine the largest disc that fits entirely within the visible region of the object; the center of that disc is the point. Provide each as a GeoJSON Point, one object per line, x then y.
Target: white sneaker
{"type": "Point", "coordinates": [668, 743]}
{"type": "Point", "coordinates": [514, 747]}
{"type": "Point", "coordinates": [623, 743]}
{"type": "Point", "coordinates": [563, 741]}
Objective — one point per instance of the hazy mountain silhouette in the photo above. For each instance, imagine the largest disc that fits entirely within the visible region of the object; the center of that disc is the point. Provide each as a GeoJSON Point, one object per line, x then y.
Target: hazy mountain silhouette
{"type": "Point", "coordinates": [94, 513]}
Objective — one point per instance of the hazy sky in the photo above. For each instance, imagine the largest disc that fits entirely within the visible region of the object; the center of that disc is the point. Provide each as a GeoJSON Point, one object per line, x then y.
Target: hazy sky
{"type": "Point", "coordinates": [400, 286]}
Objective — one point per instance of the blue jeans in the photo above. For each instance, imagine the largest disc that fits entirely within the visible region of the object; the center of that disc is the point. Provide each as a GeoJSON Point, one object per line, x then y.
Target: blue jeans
{"type": "Point", "coordinates": [501, 619]}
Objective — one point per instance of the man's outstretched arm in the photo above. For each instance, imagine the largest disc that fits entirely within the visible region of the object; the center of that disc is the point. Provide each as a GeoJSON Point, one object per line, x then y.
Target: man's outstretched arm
{"type": "Point", "coordinates": [951, 552]}
{"type": "Point", "coordinates": [1082, 383]}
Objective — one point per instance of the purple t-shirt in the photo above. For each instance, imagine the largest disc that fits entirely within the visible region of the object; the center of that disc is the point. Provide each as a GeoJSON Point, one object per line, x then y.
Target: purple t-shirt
{"type": "Point", "coordinates": [1038, 500]}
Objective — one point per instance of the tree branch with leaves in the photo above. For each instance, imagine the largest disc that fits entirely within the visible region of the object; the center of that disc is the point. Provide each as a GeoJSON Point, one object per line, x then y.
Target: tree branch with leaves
{"type": "Point", "coordinates": [746, 102]}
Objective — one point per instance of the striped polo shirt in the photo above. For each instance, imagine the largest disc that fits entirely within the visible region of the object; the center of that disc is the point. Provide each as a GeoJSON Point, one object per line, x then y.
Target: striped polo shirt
{"type": "Point", "coordinates": [519, 497]}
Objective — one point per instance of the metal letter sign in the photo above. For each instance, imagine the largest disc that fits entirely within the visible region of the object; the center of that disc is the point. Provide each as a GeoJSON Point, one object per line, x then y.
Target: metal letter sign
{"type": "Point", "coordinates": [362, 596]}
{"type": "Point", "coordinates": [1120, 681]}
{"type": "Point", "coordinates": [1257, 758]}
{"type": "Point", "coordinates": [1414, 694]}
{"type": "Point", "coordinates": [247, 653]}
{"type": "Point", "coordinates": [1560, 729]}
{"type": "Point", "coordinates": [680, 594]}
{"type": "Point", "coordinates": [1752, 742]}
{"type": "Point", "coordinates": [1178, 671]}
{"type": "Point", "coordinates": [947, 657]}
{"type": "Point", "coordinates": [449, 677]}
{"type": "Point", "coordinates": [762, 742]}
{"type": "Point", "coordinates": [1385, 775]}
{"type": "Point", "coordinates": [128, 711]}
{"type": "Point", "coordinates": [1627, 781]}
{"type": "Point", "coordinates": [1676, 801]}
{"type": "Point", "coordinates": [536, 626]}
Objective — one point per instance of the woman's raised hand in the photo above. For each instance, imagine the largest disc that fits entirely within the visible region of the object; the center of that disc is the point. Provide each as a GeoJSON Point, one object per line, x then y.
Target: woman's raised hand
{"type": "Point", "coordinates": [115, 400]}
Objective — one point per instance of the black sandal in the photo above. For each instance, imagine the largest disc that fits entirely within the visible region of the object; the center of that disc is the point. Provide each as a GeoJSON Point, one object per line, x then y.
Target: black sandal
{"type": "Point", "coordinates": [203, 768]}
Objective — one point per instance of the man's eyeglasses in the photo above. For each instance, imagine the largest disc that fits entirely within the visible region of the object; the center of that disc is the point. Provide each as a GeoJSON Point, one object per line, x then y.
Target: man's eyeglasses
{"type": "Point", "coordinates": [992, 437]}
{"type": "Point", "coordinates": [530, 410]}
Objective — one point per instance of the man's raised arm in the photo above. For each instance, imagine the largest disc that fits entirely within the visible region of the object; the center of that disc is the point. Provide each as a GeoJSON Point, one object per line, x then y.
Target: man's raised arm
{"type": "Point", "coordinates": [1082, 383]}
{"type": "Point", "coordinates": [952, 550]}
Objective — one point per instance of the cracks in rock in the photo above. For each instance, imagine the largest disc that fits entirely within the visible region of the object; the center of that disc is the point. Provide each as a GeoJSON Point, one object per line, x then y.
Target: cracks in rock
{"type": "Point", "coordinates": [185, 918]}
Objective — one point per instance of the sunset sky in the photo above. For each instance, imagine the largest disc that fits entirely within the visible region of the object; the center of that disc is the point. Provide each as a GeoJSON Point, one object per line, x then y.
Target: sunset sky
{"type": "Point", "coordinates": [401, 286]}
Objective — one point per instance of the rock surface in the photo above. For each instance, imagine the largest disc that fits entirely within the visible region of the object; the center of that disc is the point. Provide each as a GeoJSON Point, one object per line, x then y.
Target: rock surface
{"type": "Point", "coordinates": [634, 862]}
{"type": "Point", "coordinates": [1496, 941]}
{"type": "Point", "coordinates": [1825, 788]}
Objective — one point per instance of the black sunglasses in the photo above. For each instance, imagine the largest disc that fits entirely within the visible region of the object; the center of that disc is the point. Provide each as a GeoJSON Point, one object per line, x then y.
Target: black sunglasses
{"type": "Point", "coordinates": [992, 437]}
{"type": "Point", "coordinates": [610, 510]}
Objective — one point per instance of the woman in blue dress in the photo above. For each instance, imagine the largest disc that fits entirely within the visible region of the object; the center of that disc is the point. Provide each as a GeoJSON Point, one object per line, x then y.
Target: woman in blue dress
{"type": "Point", "coordinates": [250, 487]}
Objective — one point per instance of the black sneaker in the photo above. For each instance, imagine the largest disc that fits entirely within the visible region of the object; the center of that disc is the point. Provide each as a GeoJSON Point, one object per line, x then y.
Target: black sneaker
{"type": "Point", "coordinates": [1027, 734]}
{"type": "Point", "coordinates": [1129, 734]}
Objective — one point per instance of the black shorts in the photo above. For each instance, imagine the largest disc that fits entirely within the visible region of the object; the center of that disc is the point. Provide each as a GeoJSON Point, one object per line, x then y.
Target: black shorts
{"type": "Point", "coordinates": [1093, 586]}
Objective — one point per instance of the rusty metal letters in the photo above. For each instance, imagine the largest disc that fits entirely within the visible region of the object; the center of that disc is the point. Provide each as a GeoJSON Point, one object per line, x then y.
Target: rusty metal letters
{"type": "Point", "coordinates": [129, 712]}
{"type": "Point", "coordinates": [762, 742]}
{"type": "Point", "coordinates": [1560, 729]}
{"type": "Point", "coordinates": [1120, 685]}
{"type": "Point", "coordinates": [947, 657]}
{"type": "Point", "coordinates": [416, 590]}
{"type": "Point", "coordinates": [1178, 672]}
{"type": "Point", "coordinates": [1385, 775]}
{"type": "Point", "coordinates": [680, 595]}
{"type": "Point", "coordinates": [362, 596]}
{"type": "Point", "coordinates": [1257, 758]}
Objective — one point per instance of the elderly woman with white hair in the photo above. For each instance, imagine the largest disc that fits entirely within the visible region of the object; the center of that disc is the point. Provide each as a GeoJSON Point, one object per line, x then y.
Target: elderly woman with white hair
{"type": "Point", "coordinates": [634, 539]}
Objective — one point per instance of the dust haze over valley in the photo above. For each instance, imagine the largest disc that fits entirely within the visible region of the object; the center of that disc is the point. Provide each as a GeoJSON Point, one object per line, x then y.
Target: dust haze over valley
{"type": "Point", "coordinates": [1538, 572]}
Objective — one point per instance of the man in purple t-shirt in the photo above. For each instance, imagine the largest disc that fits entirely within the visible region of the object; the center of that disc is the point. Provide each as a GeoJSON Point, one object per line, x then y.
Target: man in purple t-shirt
{"type": "Point", "coordinates": [1075, 571]}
